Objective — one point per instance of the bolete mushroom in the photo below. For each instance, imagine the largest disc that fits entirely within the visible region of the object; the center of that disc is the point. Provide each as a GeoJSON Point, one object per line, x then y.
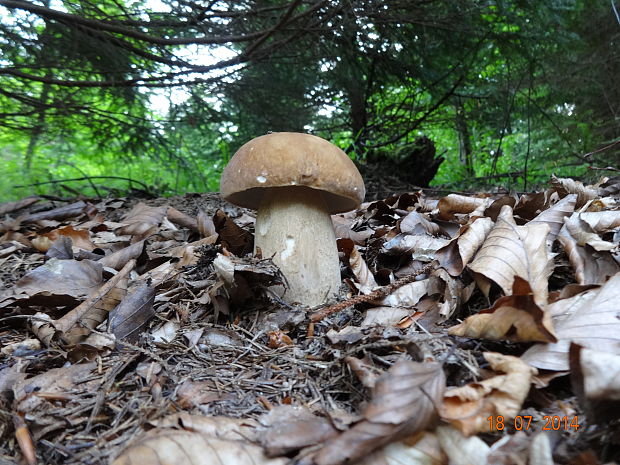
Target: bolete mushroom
{"type": "Point", "coordinates": [296, 181]}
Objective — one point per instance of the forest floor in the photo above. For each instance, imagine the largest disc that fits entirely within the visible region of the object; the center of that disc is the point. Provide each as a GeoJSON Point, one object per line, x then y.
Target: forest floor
{"type": "Point", "coordinates": [469, 329]}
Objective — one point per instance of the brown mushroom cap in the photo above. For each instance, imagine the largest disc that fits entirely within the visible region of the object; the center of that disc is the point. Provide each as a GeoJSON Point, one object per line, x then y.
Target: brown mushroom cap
{"type": "Point", "coordinates": [285, 159]}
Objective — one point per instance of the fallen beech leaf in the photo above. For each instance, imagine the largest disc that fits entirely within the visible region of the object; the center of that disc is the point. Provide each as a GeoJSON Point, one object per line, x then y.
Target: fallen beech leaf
{"type": "Point", "coordinates": [232, 237]}
{"type": "Point", "coordinates": [590, 319]}
{"type": "Point", "coordinates": [421, 449]}
{"type": "Point", "coordinates": [417, 224]}
{"type": "Point", "coordinates": [133, 313]}
{"type": "Point", "coordinates": [120, 258]}
{"type": "Point", "coordinates": [57, 282]}
{"type": "Point", "coordinates": [403, 403]}
{"type": "Point", "coordinates": [173, 447]}
{"type": "Point", "coordinates": [342, 230]}
{"type": "Point", "coordinates": [205, 224]}
{"type": "Point", "coordinates": [80, 237]}
{"type": "Point", "coordinates": [456, 255]}
{"type": "Point", "coordinates": [365, 280]}
{"type": "Point", "coordinates": [510, 250]}
{"type": "Point", "coordinates": [591, 267]}
{"type": "Point", "coordinates": [9, 207]}
{"type": "Point", "coordinates": [60, 213]}
{"type": "Point", "coordinates": [455, 203]}
{"type": "Point", "coordinates": [603, 221]}
{"type": "Point", "coordinates": [421, 247]}
{"type": "Point", "coordinates": [410, 294]}
{"type": "Point", "coordinates": [142, 219]}
{"type": "Point", "coordinates": [460, 449]}
{"type": "Point", "coordinates": [583, 234]}
{"type": "Point", "coordinates": [365, 370]}
{"type": "Point", "coordinates": [181, 219]}
{"type": "Point", "coordinates": [384, 316]}
{"type": "Point", "coordinates": [596, 380]}
{"type": "Point", "coordinates": [166, 332]}
{"type": "Point", "coordinates": [570, 186]}
{"type": "Point", "coordinates": [514, 318]}
{"type": "Point", "coordinates": [468, 407]}
{"type": "Point", "coordinates": [555, 216]}
{"type": "Point", "coordinates": [287, 428]}
{"type": "Point", "coordinates": [66, 380]}
{"type": "Point", "coordinates": [61, 248]}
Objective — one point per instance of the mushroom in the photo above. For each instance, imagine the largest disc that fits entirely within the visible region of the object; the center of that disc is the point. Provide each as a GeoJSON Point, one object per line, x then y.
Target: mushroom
{"type": "Point", "coordinates": [296, 181]}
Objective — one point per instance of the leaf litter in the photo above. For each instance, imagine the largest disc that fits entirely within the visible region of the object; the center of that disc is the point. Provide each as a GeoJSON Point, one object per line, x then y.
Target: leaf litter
{"type": "Point", "coordinates": [147, 332]}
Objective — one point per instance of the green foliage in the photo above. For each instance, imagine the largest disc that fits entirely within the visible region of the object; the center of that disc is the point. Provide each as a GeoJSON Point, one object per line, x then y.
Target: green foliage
{"type": "Point", "coordinates": [509, 91]}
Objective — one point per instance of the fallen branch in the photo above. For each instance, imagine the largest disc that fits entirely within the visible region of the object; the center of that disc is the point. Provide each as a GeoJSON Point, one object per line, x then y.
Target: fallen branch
{"type": "Point", "coordinates": [377, 294]}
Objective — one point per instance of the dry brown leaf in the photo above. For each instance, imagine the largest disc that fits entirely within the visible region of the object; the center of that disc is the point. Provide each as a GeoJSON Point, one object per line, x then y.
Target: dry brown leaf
{"type": "Point", "coordinates": [220, 427]}
{"type": "Point", "coordinates": [9, 207]}
{"type": "Point", "coordinates": [455, 203]}
{"type": "Point", "coordinates": [178, 447]}
{"type": "Point", "coordinates": [205, 224]}
{"type": "Point", "coordinates": [232, 237]}
{"type": "Point", "coordinates": [417, 224]}
{"type": "Point", "coordinates": [603, 221]}
{"type": "Point", "coordinates": [596, 380]}
{"type": "Point", "coordinates": [410, 294]}
{"type": "Point", "coordinates": [510, 250]}
{"type": "Point", "coordinates": [365, 280]}
{"type": "Point", "coordinates": [79, 237]}
{"type": "Point", "coordinates": [462, 450]}
{"type": "Point", "coordinates": [455, 293]}
{"type": "Point", "coordinates": [60, 213]}
{"type": "Point", "coordinates": [456, 255]}
{"type": "Point", "coordinates": [142, 220]}
{"type": "Point", "coordinates": [57, 282]}
{"type": "Point", "coordinates": [287, 428]}
{"type": "Point", "coordinates": [120, 258]}
{"type": "Point", "coordinates": [365, 370]}
{"type": "Point", "coordinates": [421, 247]}
{"type": "Point", "coordinates": [421, 449]}
{"type": "Point", "coordinates": [567, 186]}
{"type": "Point", "coordinates": [555, 216]}
{"type": "Point", "coordinates": [130, 317]}
{"type": "Point", "coordinates": [181, 219]}
{"type": "Point", "coordinates": [468, 407]}
{"type": "Point", "coordinates": [30, 394]}
{"type": "Point", "coordinates": [581, 232]}
{"type": "Point", "coordinates": [590, 319]}
{"type": "Point", "coordinates": [342, 230]}
{"type": "Point", "coordinates": [515, 318]}
{"type": "Point", "coordinates": [384, 316]}
{"type": "Point", "coordinates": [403, 403]}
{"type": "Point", "coordinates": [590, 267]}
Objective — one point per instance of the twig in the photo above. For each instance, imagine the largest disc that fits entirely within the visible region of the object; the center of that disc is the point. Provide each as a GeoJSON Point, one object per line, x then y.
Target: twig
{"type": "Point", "coordinates": [86, 178]}
{"type": "Point", "coordinates": [377, 294]}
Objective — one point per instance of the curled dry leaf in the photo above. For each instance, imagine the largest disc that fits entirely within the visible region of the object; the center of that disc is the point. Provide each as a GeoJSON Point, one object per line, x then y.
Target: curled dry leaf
{"type": "Point", "coordinates": [510, 250]}
{"type": "Point", "coordinates": [514, 318]}
{"type": "Point", "coordinates": [232, 237]}
{"type": "Point", "coordinates": [590, 267]}
{"type": "Point", "coordinates": [181, 219]}
{"type": "Point", "coordinates": [583, 234]}
{"type": "Point", "coordinates": [403, 403]}
{"type": "Point", "coordinates": [80, 237]}
{"type": "Point", "coordinates": [455, 203]}
{"type": "Point", "coordinates": [468, 407]}
{"type": "Point", "coordinates": [601, 222]}
{"type": "Point", "coordinates": [206, 227]}
{"type": "Point", "coordinates": [590, 319]}
{"type": "Point", "coordinates": [417, 224]}
{"type": "Point", "coordinates": [365, 280]}
{"type": "Point", "coordinates": [567, 186]}
{"type": "Point", "coordinates": [455, 256]}
{"type": "Point", "coordinates": [596, 380]}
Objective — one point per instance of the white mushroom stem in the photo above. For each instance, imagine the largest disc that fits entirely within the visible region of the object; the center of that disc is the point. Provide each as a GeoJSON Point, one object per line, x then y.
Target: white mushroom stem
{"type": "Point", "coordinates": [294, 227]}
